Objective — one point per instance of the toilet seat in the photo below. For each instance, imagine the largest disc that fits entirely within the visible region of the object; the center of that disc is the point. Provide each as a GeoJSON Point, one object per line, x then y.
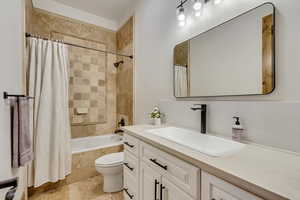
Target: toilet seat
{"type": "Point", "coordinates": [110, 160]}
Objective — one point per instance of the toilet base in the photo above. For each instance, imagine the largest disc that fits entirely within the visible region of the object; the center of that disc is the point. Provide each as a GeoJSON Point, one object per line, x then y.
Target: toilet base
{"type": "Point", "coordinates": [113, 183]}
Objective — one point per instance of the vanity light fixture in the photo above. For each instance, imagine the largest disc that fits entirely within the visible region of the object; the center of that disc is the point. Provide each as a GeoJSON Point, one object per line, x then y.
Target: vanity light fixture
{"type": "Point", "coordinates": [180, 14]}
{"type": "Point", "coordinates": [197, 6]}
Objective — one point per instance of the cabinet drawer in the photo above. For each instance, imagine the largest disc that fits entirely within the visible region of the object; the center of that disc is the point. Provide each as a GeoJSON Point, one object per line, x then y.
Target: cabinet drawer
{"type": "Point", "coordinates": [131, 164]}
{"type": "Point", "coordinates": [184, 175]}
{"type": "Point", "coordinates": [131, 144]}
{"type": "Point", "coordinates": [217, 189]}
{"type": "Point", "coordinates": [130, 187]}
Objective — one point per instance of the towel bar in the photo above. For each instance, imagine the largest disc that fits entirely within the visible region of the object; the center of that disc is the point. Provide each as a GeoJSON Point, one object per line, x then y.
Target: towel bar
{"type": "Point", "coordinates": [6, 95]}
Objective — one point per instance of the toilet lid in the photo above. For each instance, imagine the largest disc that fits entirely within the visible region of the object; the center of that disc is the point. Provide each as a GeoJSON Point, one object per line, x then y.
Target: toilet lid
{"type": "Point", "coordinates": [110, 159]}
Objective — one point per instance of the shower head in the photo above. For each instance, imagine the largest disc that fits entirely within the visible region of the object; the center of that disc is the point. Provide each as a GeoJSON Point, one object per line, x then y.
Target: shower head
{"type": "Point", "coordinates": [117, 64]}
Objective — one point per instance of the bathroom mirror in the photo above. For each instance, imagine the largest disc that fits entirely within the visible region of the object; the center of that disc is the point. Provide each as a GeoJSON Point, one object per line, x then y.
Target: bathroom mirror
{"type": "Point", "coordinates": [235, 58]}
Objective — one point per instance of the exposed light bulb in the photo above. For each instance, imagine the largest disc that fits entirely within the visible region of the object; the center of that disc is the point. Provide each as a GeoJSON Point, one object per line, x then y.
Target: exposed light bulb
{"type": "Point", "coordinates": [180, 14]}
{"type": "Point", "coordinates": [197, 5]}
{"type": "Point", "coordinates": [181, 23]}
{"type": "Point", "coordinates": [216, 2]}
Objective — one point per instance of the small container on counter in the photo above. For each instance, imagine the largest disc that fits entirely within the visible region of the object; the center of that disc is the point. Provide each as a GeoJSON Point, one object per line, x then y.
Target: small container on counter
{"type": "Point", "coordinates": [237, 130]}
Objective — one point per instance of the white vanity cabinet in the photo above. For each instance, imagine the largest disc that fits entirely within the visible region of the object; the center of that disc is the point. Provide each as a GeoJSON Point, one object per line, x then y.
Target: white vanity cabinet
{"type": "Point", "coordinates": [150, 173]}
{"type": "Point", "coordinates": [214, 188]}
{"type": "Point", "coordinates": [178, 172]}
{"type": "Point", "coordinates": [172, 192]}
{"type": "Point", "coordinates": [131, 144]}
{"type": "Point", "coordinates": [131, 168]}
{"type": "Point", "coordinates": [150, 182]}
{"type": "Point", "coordinates": [155, 186]}
{"type": "Point", "coordinates": [131, 191]}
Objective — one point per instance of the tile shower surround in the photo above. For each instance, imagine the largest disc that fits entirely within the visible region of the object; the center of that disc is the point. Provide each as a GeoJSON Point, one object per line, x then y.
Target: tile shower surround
{"type": "Point", "coordinates": [125, 73]}
{"type": "Point", "coordinates": [93, 79]}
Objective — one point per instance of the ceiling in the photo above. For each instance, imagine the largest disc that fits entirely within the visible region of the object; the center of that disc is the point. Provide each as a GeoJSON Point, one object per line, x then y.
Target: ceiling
{"type": "Point", "coordinates": [115, 10]}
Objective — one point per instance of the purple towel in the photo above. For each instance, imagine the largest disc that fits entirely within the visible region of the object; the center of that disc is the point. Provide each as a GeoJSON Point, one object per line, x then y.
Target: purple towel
{"type": "Point", "coordinates": [21, 139]}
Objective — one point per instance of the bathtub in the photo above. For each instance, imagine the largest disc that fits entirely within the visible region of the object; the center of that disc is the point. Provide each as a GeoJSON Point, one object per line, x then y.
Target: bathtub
{"type": "Point", "coordinates": [80, 145]}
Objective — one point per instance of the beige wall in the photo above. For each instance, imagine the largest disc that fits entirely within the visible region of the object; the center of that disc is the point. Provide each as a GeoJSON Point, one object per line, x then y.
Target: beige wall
{"type": "Point", "coordinates": [125, 73]}
{"type": "Point", "coordinates": [91, 72]}
{"type": "Point", "coordinates": [28, 15]}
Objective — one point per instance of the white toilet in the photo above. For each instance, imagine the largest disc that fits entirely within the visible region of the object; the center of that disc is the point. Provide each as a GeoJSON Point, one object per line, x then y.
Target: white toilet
{"type": "Point", "coordinates": [111, 167]}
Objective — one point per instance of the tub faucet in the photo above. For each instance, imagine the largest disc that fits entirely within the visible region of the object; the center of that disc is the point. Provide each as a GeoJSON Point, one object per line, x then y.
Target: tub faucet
{"type": "Point", "coordinates": [120, 124]}
{"type": "Point", "coordinates": [203, 109]}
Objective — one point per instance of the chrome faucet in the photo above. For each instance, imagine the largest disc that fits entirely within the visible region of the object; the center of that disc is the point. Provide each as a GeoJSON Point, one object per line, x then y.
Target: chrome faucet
{"type": "Point", "coordinates": [203, 108]}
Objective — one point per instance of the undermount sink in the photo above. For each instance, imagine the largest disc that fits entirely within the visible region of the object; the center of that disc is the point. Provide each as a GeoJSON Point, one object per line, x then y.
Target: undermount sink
{"type": "Point", "coordinates": [207, 144]}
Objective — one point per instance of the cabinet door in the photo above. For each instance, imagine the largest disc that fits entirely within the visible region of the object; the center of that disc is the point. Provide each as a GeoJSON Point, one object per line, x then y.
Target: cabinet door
{"type": "Point", "coordinates": [214, 188]}
{"type": "Point", "coordinates": [131, 187]}
{"type": "Point", "coordinates": [171, 192]}
{"type": "Point", "coordinates": [131, 165]}
{"type": "Point", "coordinates": [131, 144]}
{"type": "Point", "coordinates": [149, 183]}
{"type": "Point", "coordinates": [183, 174]}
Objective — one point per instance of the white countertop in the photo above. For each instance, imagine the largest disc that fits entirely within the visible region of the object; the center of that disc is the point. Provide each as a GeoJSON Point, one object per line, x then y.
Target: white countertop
{"type": "Point", "coordinates": [269, 173]}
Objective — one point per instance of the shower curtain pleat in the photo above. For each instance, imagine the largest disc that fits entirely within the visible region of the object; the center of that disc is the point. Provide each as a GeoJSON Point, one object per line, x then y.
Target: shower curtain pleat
{"type": "Point", "coordinates": [47, 80]}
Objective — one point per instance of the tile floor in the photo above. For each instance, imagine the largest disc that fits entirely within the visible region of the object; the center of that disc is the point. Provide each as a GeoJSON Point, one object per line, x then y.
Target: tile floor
{"type": "Point", "coordinates": [89, 189]}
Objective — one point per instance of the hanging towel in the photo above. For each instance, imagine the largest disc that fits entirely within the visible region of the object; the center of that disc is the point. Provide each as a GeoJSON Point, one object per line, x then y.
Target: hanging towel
{"type": "Point", "coordinates": [21, 141]}
{"type": "Point", "coordinates": [14, 132]}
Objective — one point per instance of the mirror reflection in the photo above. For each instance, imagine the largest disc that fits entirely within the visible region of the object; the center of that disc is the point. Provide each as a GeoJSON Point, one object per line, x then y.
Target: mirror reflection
{"type": "Point", "coordinates": [242, 61]}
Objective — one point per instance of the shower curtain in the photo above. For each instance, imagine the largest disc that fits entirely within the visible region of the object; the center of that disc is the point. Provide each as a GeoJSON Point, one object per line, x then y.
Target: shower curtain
{"type": "Point", "coordinates": [181, 82]}
{"type": "Point", "coordinates": [47, 81]}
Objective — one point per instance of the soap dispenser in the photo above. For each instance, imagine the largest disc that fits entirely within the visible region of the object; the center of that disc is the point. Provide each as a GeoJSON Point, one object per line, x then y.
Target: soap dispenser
{"type": "Point", "coordinates": [237, 130]}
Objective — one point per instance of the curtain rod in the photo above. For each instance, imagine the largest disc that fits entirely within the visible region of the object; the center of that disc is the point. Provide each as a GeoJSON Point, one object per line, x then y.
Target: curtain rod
{"type": "Point", "coordinates": [79, 46]}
